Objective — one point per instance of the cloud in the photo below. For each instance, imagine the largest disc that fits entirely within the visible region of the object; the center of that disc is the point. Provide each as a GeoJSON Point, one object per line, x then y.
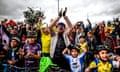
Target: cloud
{"type": "Point", "coordinates": [77, 9]}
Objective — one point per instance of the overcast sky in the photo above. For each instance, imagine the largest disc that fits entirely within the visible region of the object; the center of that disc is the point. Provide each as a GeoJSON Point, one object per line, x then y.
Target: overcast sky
{"type": "Point", "coordinates": [96, 10]}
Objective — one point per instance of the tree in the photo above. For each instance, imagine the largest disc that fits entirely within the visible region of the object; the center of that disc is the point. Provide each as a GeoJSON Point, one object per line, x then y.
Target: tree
{"type": "Point", "coordinates": [31, 16]}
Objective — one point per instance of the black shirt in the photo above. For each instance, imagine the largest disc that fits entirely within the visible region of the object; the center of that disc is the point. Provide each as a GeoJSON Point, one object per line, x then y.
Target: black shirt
{"type": "Point", "coordinates": [60, 46]}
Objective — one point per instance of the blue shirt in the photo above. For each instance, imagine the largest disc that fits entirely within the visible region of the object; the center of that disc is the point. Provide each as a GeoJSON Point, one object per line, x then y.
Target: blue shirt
{"type": "Point", "coordinates": [76, 64]}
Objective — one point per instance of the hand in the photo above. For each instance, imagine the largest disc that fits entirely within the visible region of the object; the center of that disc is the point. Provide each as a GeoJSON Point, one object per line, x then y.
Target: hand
{"type": "Point", "coordinates": [40, 19]}
{"type": "Point", "coordinates": [6, 47]}
{"type": "Point", "coordinates": [12, 62]}
{"type": "Point", "coordinates": [64, 13]}
{"type": "Point", "coordinates": [87, 19]}
{"type": "Point", "coordinates": [65, 17]}
{"type": "Point", "coordinates": [118, 58]}
{"type": "Point", "coordinates": [30, 54]}
{"type": "Point", "coordinates": [21, 51]}
{"type": "Point", "coordinates": [60, 13]}
{"type": "Point", "coordinates": [87, 69]}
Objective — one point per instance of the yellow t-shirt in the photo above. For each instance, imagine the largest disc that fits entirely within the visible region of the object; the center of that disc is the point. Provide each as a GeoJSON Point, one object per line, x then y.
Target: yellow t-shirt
{"type": "Point", "coordinates": [109, 28]}
{"type": "Point", "coordinates": [83, 45]}
{"type": "Point", "coordinates": [46, 39]}
{"type": "Point", "coordinates": [101, 67]}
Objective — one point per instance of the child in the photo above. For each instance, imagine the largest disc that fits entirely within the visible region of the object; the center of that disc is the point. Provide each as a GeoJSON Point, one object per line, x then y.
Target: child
{"type": "Point", "coordinates": [32, 52]}
{"type": "Point", "coordinates": [12, 53]}
{"type": "Point", "coordinates": [82, 43]}
{"type": "Point", "coordinates": [84, 46]}
{"type": "Point", "coordinates": [102, 64]}
{"type": "Point", "coordinates": [45, 39]}
{"type": "Point", "coordinates": [75, 60]}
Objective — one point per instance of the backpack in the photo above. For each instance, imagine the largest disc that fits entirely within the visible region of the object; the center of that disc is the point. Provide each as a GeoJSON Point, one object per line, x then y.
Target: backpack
{"type": "Point", "coordinates": [45, 63]}
{"type": "Point", "coordinates": [96, 60]}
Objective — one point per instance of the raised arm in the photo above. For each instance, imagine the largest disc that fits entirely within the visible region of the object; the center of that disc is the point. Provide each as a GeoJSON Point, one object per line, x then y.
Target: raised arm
{"type": "Point", "coordinates": [68, 22]}
{"type": "Point", "coordinates": [54, 22]}
{"type": "Point", "coordinates": [64, 51]}
{"type": "Point", "coordinates": [39, 23]}
{"type": "Point", "coordinates": [90, 25]}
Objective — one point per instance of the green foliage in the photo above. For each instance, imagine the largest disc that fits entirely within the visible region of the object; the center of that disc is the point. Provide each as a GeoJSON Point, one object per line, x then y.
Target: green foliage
{"type": "Point", "coordinates": [31, 16]}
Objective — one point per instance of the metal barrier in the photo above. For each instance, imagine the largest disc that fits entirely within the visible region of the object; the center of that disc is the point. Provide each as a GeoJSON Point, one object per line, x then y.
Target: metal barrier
{"type": "Point", "coordinates": [12, 68]}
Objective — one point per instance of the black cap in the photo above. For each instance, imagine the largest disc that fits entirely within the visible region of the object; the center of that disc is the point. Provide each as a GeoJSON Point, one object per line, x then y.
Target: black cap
{"type": "Point", "coordinates": [60, 24]}
{"type": "Point", "coordinates": [31, 34]}
{"type": "Point", "coordinates": [108, 23]}
{"type": "Point", "coordinates": [81, 36]}
{"type": "Point", "coordinates": [102, 47]}
{"type": "Point", "coordinates": [116, 20]}
{"type": "Point", "coordinates": [71, 46]}
{"type": "Point", "coordinates": [16, 38]}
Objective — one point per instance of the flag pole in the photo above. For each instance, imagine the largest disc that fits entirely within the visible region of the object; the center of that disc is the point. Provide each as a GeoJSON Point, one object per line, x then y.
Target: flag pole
{"type": "Point", "coordinates": [1, 34]}
{"type": "Point", "coordinates": [58, 6]}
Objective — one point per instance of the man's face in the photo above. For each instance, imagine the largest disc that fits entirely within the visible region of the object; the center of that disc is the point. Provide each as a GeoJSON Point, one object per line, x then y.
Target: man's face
{"type": "Point", "coordinates": [14, 31]}
{"type": "Point", "coordinates": [107, 34]}
{"type": "Point", "coordinates": [60, 29]}
{"type": "Point", "coordinates": [103, 54]}
{"type": "Point", "coordinates": [89, 35]}
{"type": "Point", "coordinates": [31, 40]}
{"type": "Point", "coordinates": [13, 43]}
{"type": "Point", "coordinates": [117, 23]}
{"type": "Point", "coordinates": [74, 53]}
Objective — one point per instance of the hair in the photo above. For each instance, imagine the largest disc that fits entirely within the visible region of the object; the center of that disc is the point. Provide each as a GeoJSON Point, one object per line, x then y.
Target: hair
{"type": "Point", "coordinates": [81, 37]}
{"type": "Point", "coordinates": [61, 23]}
{"type": "Point", "coordinates": [18, 43]}
{"type": "Point", "coordinates": [74, 49]}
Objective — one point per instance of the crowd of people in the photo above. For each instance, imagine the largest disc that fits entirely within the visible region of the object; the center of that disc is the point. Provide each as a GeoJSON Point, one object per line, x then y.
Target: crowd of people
{"type": "Point", "coordinates": [73, 47]}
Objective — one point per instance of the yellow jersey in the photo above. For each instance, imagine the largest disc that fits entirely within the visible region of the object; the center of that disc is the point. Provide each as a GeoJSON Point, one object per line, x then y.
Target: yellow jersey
{"type": "Point", "coordinates": [101, 67]}
{"type": "Point", "coordinates": [109, 29]}
{"type": "Point", "coordinates": [83, 45]}
{"type": "Point", "coordinates": [45, 39]}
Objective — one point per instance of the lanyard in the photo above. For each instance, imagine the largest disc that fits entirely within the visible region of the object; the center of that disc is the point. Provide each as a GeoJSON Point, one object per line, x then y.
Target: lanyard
{"type": "Point", "coordinates": [13, 55]}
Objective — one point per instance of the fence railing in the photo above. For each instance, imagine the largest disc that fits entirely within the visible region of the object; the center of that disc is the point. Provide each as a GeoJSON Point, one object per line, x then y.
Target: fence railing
{"type": "Point", "coordinates": [12, 68]}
